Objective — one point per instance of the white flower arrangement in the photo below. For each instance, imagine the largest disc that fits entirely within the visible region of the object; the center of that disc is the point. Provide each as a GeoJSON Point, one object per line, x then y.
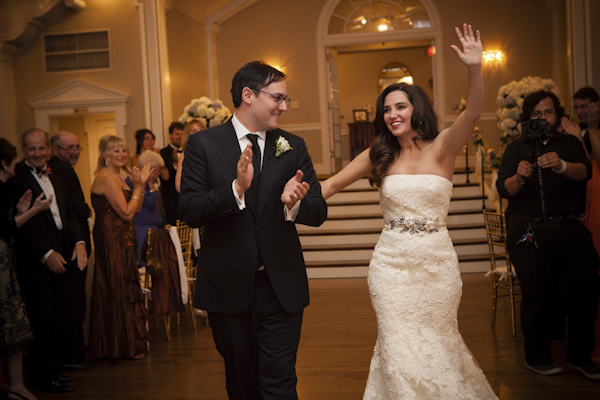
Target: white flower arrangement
{"type": "Point", "coordinates": [210, 113]}
{"type": "Point", "coordinates": [510, 103]}
{"type": "Point", "coordinates": [281, 146]}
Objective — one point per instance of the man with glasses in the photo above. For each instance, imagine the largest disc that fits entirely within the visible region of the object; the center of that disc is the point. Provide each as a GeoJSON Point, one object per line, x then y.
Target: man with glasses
{"type": "Point", "coordinates": [65, 150]}
{"type": "Point", "coordinates": [49, 248]}
{"type": "Point", "coordinates": [544, 179]}
{"type": "Point", "coordinates": [249, 183]}
{"type": "Point", "coordinates": [582, 99]}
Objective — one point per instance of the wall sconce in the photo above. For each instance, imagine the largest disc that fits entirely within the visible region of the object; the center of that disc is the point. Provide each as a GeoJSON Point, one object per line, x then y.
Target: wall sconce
{"type": "Point", "coordinates": [493, 57]}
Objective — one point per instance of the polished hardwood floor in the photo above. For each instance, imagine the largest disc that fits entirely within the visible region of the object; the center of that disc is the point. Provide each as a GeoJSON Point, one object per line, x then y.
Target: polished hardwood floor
{"type": "Point", "coordinates": [338, 336]}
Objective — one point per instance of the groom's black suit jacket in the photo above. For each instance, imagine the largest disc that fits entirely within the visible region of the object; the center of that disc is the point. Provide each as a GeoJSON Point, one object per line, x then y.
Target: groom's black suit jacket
{"type": "Point", "coordinates": [232, 238]}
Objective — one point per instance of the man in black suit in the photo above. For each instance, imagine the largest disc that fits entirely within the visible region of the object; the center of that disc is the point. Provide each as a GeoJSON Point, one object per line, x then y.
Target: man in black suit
{"type": "Point", "coordinates": [48, 247]}
{"type": "Point", "coordinates": [170, 196]}
{"type": "Point", "coordinates": [249, 192]}
{"type": "Point", "coordinates": [65, 154]}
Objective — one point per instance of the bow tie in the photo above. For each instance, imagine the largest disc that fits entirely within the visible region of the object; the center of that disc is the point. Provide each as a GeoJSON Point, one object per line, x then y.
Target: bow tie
{"type": "Point", "coordinates": [40, 172]}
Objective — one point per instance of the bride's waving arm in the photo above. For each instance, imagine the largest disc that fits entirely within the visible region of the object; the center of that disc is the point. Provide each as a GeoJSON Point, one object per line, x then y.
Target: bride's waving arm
{"type": "Point", "coordinates": [451, 140]}
{"type": "Point", "coordinates": [358, 168]}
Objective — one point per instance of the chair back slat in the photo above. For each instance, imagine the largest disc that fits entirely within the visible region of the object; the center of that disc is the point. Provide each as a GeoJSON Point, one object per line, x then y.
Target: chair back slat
{"type": "Point", "coordinates": [185, 237]}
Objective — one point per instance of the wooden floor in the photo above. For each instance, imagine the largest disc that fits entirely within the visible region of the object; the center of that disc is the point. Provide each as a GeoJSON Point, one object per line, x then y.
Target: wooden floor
{"type": "Point", "coordinates": [338, 336]}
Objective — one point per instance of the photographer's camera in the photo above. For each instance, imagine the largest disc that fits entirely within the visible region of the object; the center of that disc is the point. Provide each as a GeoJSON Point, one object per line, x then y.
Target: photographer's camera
{"type": "Point", "coordinates": [534, 128]}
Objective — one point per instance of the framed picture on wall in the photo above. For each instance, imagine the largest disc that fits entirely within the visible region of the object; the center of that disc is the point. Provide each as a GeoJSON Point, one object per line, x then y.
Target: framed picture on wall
{"type": "Point", "coordinates": [360, 115]}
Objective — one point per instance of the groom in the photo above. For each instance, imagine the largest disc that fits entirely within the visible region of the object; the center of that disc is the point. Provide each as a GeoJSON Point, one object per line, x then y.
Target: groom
{"type": "Point", "coordinates": [249, 182]}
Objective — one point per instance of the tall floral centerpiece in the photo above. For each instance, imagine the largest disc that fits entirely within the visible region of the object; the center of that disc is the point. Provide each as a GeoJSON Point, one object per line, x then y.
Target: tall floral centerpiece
{"type": "Point", "coordinates": [510, 103]}
{"type": "Point", "coordinates": [210, 113]}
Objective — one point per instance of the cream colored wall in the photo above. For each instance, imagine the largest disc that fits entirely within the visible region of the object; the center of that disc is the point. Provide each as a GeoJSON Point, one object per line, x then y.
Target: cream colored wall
{"type": "Point", "coordinates": [121, 18]}
{"type": "Point", "coordinates": [279, 33]}
{"type": "Point", "coordinates": [187, 60]}
{"type": "Point", "coordinates": [359, 75]}
{"type": "Point", "coordinates": [521, 29]}
{"type": "Point", "coordinates": [358, 81]}
{"type": "Point", "coordinates": [285, 35]}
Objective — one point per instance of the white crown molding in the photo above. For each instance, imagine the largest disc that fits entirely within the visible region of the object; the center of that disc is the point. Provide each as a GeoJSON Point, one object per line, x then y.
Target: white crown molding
{"type": "Point", "coordinates": [77, 92]}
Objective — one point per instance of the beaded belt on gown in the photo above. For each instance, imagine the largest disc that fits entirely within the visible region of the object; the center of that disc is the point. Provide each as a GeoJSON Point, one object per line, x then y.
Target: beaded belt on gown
{"type": "Point", "coordinates": [415, 225]}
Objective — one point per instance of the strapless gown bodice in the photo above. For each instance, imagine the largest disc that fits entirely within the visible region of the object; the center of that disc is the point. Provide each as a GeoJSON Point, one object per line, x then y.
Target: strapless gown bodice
{"type": "Point", "coordinates": [415, 289]}
{"type": "Point", "coordinates": [415, 196]}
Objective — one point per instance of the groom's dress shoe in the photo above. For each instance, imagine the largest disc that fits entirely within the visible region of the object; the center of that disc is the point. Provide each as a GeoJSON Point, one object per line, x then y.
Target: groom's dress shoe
{"type": "Point", "coordinates": [55, 386]}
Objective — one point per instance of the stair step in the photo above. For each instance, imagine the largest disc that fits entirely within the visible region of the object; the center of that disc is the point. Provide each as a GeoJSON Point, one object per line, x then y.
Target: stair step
{"type": "Point", "coordinates": [353, 216]}
{"type": "Point", "coordinates": [366, 262]}
{"type": "Point", "coordinates": [338, 247]}
{"type": "Point", "coordinates": [365, 202]}
{"type": "Point", "coordinates": [474, 257]}
{"type": "Point", "coordinates": [466, 211]}
{"type": "Point", "coordinates": [327, 232]}
{"type": "Point", "coordinates": [468, 242]}
{"type": "Point", "coordinates": [346, 263]}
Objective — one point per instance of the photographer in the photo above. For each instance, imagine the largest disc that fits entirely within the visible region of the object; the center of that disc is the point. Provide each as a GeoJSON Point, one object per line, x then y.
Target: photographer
{"type": "Point", "coordinates": [543, 175]}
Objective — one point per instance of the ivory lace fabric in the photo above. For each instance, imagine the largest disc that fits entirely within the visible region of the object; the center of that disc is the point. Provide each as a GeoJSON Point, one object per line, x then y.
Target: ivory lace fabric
{"type": "Point", "coordinates": [415, 288]}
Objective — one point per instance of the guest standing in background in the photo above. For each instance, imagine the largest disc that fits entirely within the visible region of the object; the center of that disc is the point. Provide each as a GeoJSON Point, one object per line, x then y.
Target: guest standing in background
{"type": "Point", "coordinates": [118, 318]}
{"type": "Point", "coordinates": [145, 140]}
{"type": "Point", "coordinates": [15, 331]}
{"type": "Point", "coordinates": [65, 154]}
{"type": "Point", "coordinates": [171, 154]}
{"type": "Point", "coordinates": [148, 217]}
{"type": "Point", "coordinates": [587, 106]}
{"type": "Point", "coordinates": [190, 128]}
{"type": "Point", "coordinates": [49, 246]}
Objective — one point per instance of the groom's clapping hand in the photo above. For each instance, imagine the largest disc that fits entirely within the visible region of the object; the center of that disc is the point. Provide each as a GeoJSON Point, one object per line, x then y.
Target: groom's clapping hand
{"type": "Point", "coordinates": [294, 190]}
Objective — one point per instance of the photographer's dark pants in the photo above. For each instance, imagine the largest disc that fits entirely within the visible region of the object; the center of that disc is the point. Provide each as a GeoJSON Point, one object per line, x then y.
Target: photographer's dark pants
{"type": "Point", "coordinates": [565, 260]}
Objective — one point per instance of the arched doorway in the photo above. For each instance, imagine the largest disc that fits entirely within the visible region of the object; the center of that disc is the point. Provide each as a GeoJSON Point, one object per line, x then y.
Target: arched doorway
{"type": "Point", "coordinates": [366, 26]}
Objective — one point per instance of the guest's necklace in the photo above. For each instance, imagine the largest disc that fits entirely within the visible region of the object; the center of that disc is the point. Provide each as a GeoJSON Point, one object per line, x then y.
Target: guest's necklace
{"type": "Point", "coordinates": [113, 172]}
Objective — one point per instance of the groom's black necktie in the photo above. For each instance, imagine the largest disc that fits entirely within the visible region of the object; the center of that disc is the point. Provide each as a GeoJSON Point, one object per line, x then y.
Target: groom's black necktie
{"type": "Point", "coordinates": [256, 163]}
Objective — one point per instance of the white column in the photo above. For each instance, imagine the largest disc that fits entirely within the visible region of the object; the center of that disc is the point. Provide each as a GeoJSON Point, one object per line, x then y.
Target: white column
{"type": "Point", "coordinates": [580, 44]}
{"type": "Point", "coordinates": [157, 82]}
{"type": "Point", "coordinates": [211, 59]}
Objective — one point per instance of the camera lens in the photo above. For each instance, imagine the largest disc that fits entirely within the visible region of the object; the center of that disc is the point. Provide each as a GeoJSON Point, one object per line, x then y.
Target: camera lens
{"type": "Point", "coordinates": [535, 126]}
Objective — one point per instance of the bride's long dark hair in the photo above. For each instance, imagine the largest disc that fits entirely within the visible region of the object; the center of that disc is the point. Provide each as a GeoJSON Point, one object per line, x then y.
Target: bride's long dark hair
{"type": "Point", "coordinates": [386, 148]}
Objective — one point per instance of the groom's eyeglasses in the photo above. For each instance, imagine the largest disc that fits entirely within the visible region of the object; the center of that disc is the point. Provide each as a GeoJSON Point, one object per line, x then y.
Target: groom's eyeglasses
{"type": "Point", "coordinates": [279, 98]}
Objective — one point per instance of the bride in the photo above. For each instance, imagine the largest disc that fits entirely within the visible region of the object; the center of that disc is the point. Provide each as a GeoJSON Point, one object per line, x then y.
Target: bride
{"type": "Point", "coordinates": [414, 280]}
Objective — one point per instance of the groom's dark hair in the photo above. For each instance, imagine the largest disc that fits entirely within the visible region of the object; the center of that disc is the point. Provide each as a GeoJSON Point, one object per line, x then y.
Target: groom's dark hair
{"type": "Point", "coordinates": [254, 75]}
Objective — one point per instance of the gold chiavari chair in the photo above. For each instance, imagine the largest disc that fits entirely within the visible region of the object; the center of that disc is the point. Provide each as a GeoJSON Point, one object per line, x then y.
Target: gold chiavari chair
{"type": "Point", "coordinates": [185, 237]}
{"type": "Point", "coordinates": [502, 271]}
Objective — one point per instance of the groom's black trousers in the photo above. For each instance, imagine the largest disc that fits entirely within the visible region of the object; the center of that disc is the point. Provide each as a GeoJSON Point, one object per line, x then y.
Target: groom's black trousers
{"type": "Point", "coordinates": [259, 346]}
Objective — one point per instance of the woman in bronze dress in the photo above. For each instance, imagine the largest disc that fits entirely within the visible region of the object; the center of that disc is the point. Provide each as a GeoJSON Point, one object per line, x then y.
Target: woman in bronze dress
{"type": "Point", "coordinates": [118, 320]}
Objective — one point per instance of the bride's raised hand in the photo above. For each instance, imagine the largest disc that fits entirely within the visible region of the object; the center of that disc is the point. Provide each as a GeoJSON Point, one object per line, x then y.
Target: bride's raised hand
{"type": "Point", "coordinates": [472, 50]}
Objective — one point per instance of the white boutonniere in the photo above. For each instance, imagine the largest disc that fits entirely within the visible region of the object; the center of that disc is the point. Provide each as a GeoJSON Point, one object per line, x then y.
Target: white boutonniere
{"type": "Point", "coordinates": [281, 146]}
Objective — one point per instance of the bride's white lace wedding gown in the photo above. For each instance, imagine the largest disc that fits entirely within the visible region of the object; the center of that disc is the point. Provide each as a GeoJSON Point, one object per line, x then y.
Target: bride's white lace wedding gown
{"type": "Point", "coordinates": [415, 288]}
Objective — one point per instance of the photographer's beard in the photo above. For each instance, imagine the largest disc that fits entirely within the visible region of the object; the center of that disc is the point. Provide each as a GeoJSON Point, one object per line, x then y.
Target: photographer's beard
{"type": "Point", "coordinates": [552, 129]}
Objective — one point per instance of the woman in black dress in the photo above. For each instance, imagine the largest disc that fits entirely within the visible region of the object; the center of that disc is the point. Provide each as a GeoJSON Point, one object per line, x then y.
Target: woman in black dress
{"type": "Point", "coordinates": [15, 332]}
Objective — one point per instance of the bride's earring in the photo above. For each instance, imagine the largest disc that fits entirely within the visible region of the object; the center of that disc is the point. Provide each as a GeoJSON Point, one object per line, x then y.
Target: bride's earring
{"type": "Point", "coordinates": [106, 162]}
